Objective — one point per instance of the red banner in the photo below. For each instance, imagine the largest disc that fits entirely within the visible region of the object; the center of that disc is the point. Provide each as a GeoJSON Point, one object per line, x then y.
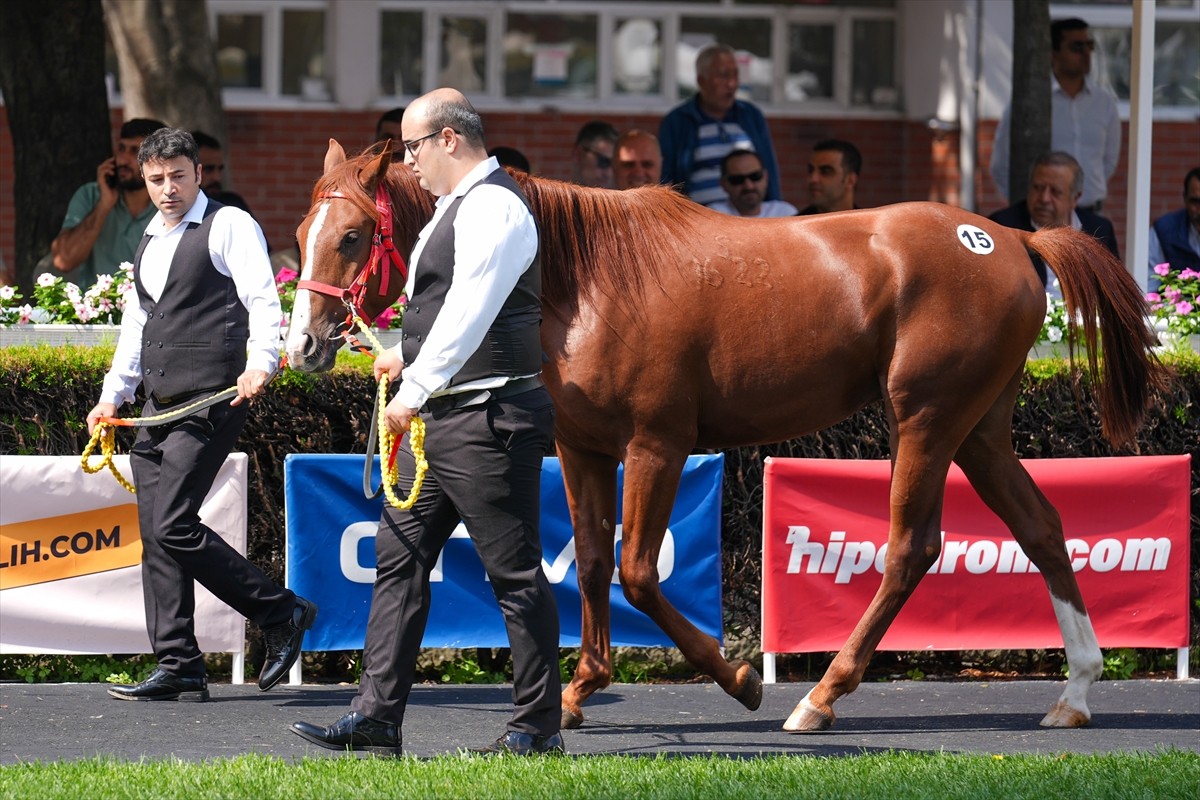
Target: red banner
{"type": "Point", "coordinates": [825, 528]}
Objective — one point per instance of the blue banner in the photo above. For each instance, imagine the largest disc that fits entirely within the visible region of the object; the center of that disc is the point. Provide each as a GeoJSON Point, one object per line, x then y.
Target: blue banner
{"type": "Point", "coordinates": [331, 560]}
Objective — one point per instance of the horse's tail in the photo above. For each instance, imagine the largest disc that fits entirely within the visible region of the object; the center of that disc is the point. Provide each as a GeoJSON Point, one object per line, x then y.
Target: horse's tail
{"type": "Point", "coordinates": [1098, 291]}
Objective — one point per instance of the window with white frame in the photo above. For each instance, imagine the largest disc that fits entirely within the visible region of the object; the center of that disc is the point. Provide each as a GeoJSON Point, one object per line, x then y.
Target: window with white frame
{"type": "Point", "coordinates": [272, 48]}
{"type": "Point", "coordinates": [793, 53]}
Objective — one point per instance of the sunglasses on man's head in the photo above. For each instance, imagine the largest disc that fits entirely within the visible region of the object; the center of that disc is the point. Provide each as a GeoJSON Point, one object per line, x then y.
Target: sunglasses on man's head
{"type": "Point", "coordinates": [602, 161]}
{"type": "Point", "coordinates": [738, 180]}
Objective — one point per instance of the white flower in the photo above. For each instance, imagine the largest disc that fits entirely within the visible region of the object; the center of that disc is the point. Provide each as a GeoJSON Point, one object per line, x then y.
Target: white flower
{"type": "Point", "coordinates": [25, 312]}
{"type": "Point", "coordinates": [8, 292]}
{"type": "Point", "coordinates": [1054, 333]}
{"type": "Point", "coordinates": [73, 293]}
{"type": "Point", "coordinates": [46, 279]}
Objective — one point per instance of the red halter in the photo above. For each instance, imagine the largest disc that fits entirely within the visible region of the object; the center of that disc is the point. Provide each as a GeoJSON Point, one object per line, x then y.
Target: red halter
{"type": "Point", "coordinates": [382, 248]}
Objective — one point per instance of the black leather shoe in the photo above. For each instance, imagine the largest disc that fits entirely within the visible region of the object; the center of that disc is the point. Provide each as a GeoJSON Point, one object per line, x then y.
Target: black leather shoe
{"type": "Point", "coordinates": [164, 686]}
{"type": "Point", "coordinates": [284, 643]}
{"type": "Point", "coordinates": [524, 744]}
{"type": "Point", "coordinates": [353, 732]}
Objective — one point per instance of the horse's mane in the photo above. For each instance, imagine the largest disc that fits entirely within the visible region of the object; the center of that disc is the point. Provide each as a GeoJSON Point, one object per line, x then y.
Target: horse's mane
{"type": "Point", "coordinates": [589, 239]}
{"type": "Point", "coordinates": [609, 241]}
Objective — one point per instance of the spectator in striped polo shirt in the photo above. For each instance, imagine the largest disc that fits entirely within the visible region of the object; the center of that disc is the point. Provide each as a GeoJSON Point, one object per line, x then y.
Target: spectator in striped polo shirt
{"type": "Point", "coordinates": [697, 134]}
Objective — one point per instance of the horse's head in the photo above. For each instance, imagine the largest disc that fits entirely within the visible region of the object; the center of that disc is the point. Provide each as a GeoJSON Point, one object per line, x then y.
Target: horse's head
{"type": "Point", "coordinates": [364, 219]}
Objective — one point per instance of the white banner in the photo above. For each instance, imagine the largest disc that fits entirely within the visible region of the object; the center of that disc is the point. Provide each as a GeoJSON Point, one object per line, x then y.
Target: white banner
{"type": "Point", "coordinates": [70, 559]}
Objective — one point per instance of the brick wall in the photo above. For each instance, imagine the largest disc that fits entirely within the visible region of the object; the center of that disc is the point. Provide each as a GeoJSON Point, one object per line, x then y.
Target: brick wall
{"type": "Point", "coordinates": [276, 156]}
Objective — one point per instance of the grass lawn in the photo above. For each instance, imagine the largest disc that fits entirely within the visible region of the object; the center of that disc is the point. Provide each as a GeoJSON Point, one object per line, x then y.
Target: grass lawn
{"type": "Point", "coordinates": [1171, 775]}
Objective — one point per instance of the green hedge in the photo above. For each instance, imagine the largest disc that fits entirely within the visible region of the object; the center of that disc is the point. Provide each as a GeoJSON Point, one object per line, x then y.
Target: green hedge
{"type": "Point", "coordinates": [46, 392]}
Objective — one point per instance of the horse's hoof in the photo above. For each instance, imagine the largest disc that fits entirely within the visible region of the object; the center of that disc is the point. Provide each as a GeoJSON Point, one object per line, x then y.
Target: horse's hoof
{"type": "Point", "coordinates": [1064, 716]}
{"type": "Point", "coordinates": [571, 719]}
{"type": "Point", "coordinates": [807, 719]}
{"type": "Point", "coordinates": [750, 686]}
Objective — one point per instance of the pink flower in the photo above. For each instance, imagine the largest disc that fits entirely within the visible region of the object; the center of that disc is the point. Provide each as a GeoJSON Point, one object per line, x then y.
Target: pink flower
{"type": "Point", "coordinates": [385, 318]}
{"type": "Point", "coordinates": [1152, 297]}
{"type": "Point", "coordinates": [1184, 308]}
{"type": "Point", "coordinates": [1189, 273]}
{"type": "Point", "coordinates": [288, 275]}
{"type": "Point", "coordinates": [1162, 269]}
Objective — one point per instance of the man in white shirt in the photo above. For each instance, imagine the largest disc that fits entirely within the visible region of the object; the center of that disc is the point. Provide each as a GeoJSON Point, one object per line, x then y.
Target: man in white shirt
{"type": "Point", "coordinates": [1084, 118]}
{"type": "Point", "coordinates": [469, 361]}
{"type": "Point", "coordinates": [205, 316]}
{"type": "Point", "coordinates": [745, 183]}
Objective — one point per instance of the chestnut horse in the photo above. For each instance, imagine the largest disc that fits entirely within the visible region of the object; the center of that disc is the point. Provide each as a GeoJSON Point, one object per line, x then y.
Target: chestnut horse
{"type": "Point", "coordinates": [669, 327]}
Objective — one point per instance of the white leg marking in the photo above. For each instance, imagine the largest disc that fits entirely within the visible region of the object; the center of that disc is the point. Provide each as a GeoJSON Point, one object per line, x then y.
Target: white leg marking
{"type": "Point", "coordinates": [1083, 659]}
{"type": "Point", "coordinates": [301, 311]}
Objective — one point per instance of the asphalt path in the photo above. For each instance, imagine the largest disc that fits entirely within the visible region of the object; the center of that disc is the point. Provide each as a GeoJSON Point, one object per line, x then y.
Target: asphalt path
{"type": "Point", "coordinates": [53, 722]}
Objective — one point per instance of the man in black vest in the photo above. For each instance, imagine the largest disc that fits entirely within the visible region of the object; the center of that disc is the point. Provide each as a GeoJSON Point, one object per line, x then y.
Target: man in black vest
{"type": "Point", "coordinates": [205, 316]}
{"type": "Point", "coordinates": [1175, 237]}
{"type": "Point", "coordinates": [470, 356]}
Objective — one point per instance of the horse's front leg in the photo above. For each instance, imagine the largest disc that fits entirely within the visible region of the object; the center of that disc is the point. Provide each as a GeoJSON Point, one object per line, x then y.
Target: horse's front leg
{"type": "Point", "coordinates": [591, 484]}
{"type": "Point", "coordinates": [651, 483]}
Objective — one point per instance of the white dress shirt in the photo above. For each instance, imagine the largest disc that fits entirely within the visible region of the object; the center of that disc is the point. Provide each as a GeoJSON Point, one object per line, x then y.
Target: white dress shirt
{"type": "Point", "coordinates": [770, 208]}
{"type": "Point", "coordinates": [1087, 126]}
{"type": "Point", "coordinates": [495, 242]}
{"type": "Point", "coordinates": [239, 251]}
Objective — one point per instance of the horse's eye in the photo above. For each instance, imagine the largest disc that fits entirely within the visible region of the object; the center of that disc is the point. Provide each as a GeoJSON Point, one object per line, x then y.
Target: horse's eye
{"type": "Point", "coordinates": [350, 239]}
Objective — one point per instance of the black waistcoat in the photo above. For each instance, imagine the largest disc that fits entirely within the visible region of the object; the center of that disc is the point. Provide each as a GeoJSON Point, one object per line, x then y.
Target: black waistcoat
{"type": "Point", "coordinates": [512, 345]}
{"type": "Point", "coordinates": [195, 335]}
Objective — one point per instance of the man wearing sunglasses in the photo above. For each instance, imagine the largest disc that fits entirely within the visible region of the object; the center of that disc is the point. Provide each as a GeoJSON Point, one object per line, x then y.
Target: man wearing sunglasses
{"type": "Point", "coordinates": [1084, 119]}
{"type": "Point", "coordinates": [592, 156]}
{"type": "Point", "coordinates": [745, 181]}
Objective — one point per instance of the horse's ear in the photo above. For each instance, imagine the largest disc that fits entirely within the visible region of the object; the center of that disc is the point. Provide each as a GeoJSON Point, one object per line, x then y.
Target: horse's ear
{"type": "Point", "coordinates": [374, 170]}
{"type": "Point", "coordinates": [334, 156]}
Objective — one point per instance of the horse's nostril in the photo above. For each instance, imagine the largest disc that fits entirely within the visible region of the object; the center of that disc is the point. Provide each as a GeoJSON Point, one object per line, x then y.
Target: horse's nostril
{"type": "Point", "coordinates": [308, 345]}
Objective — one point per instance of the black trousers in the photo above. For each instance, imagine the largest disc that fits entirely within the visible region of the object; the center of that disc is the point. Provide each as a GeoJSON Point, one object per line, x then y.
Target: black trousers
{"type": "Point", "coordinates": [485, 466]}
{"type": "Point", "coordinates": [174, 467]}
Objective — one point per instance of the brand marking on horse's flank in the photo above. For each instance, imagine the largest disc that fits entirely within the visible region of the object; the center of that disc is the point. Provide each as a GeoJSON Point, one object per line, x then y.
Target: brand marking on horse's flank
{"type": "Point", "coordinates": [977, 240]}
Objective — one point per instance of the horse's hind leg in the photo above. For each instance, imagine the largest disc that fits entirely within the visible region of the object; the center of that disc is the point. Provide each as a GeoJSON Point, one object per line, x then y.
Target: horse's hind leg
{"type": "Point", "coordinates": [919, 466]}
{"type": "Point", "coordinates": [652, 472]}
{"type": "Point", "coordinates": [591, 484]}
{"type": "Point", "coordinates": [988, 461]}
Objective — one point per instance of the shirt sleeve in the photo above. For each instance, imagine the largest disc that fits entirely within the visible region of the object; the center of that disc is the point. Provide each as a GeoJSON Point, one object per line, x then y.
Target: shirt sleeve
{"type": "Point", "coordinates": [125, 374]}
{"type": "Point", "coordinates": [1112, 139]}
{"type": "Point", "coordinates": [1155, 251]}
{"type": "Point", "coordinates": [495, 242]}
{"type": "Point", "coordinates": [1000, 146]}
{"type": "Point", "coordinates": [239, 250]}
{"type": "Point", "coordinates": [81, 204]}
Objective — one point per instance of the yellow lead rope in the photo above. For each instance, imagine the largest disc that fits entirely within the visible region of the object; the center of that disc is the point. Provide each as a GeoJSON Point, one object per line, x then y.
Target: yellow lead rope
{"type": "Point", "coordinates": [105, 436]}
{"type": "Point", "coordinates": [390, 474]}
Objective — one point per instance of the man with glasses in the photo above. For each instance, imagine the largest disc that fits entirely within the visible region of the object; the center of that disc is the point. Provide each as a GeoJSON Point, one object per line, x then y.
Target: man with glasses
{"type": "Point", "coordinates": [1084, 119]}
{"type": "Point", "coordinates": [745, 181]}
{"type": "Point", "coordinates": [698, 133]}
{"type": "Point", "coordinates": [469, 364]}
{"type": "Point", "coordinates": [592, 156]}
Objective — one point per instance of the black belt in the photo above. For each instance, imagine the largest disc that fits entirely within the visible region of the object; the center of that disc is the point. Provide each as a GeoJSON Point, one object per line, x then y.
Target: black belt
{"type": "Point", "coordinates": [449, 402]}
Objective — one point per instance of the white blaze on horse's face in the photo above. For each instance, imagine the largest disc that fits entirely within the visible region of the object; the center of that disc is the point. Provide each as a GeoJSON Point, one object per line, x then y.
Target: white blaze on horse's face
{"type": "Point", "coordinates": [302, 310]}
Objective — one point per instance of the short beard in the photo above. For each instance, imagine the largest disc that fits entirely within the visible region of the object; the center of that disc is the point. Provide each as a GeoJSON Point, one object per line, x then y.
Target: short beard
{"type": "Point", "coordinates": [134, 184]}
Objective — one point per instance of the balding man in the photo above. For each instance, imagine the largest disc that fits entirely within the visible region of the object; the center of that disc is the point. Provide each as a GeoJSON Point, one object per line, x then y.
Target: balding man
{"type": "Point", "coordinates": [470, 361]}
{"type": "Point", "coordinates": [637, 160]}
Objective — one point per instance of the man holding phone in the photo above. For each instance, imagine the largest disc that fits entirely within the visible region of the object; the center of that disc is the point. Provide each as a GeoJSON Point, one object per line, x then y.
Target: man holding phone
{"type": "Point", "coordinates": [106, 218]}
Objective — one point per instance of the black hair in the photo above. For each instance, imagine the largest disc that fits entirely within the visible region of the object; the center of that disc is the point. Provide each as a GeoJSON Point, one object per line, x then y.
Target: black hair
{"type": "Point", "coordinates": [1194, 172]}
{"type": "Point", "coordinates": [851, 158]}
{"type": "Point", "coordinates": [1061, 26]}
{"type": "Point", "coordinates": [166, 144]}
{"type": "Point", "coordinates": [204, 140]}
{"type": "Point", "coordinates": [510, 157]}
{"type": "Point", "coordinates": [740, 151]}
{"type": "Point", "coordinates": [596, 130]}
{"type": "Point", "coordinates": [139, 128]}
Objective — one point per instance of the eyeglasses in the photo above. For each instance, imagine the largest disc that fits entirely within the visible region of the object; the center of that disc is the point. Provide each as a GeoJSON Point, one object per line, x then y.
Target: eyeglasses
{"type": "Point", "coordinates": [738, 180]}
{"type": "Point", "coordinates": [413, 146]}
{"type": "Point", "coordinates": [602, 161]}
{"type": "Point", "coordinates": [1082, 47]}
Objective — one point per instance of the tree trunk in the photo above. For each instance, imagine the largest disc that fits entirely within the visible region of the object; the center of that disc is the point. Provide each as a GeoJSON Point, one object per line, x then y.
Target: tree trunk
{"type": "Point", "coordinates": [52, 76]}
{"type": "Point", "coordinates": [168, 63]}
{"type": "Point", "coordinates": [1030, 120]}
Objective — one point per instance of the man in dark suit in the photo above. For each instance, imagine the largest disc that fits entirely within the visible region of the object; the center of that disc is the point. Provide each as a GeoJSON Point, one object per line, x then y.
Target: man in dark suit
{"type": "Point", "coordinates": [1055, 185]}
